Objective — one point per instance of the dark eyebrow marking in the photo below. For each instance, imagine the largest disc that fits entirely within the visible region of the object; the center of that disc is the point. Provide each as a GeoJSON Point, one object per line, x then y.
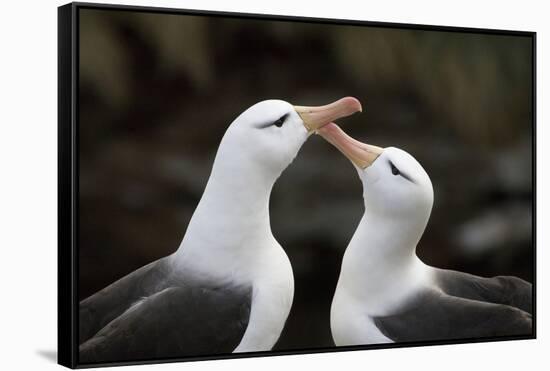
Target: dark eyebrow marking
{"type": "Point", "coordinates": [401, 172]}
{"type": "Point", "coordinates": [406, 176]}
{"type": "Point", "coordinates": [271, 123]}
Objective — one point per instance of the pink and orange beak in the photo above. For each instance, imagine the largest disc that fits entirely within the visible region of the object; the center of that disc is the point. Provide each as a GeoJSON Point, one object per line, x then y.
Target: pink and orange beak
{"type": "Point", "coordinates": [360, 154]}
{"type": "Point", "coordinates": [315, 118]}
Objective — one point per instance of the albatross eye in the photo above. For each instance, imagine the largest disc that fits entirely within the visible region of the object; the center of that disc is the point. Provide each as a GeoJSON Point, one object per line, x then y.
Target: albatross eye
{"type": "Point", "coordinates": [280, 121]}
{"type": "Point", "coordinates": [394, 170]}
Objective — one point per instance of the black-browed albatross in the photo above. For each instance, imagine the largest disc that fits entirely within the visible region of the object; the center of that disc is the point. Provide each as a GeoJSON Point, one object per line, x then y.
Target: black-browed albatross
{"type": "Point", "coordinates": [229, 286]}
{"type": "Point", "coordinates": [385, 293]}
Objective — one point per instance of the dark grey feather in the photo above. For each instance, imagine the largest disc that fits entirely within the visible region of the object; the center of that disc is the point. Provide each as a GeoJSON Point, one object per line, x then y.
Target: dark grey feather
{"type": "Point", "coordinates": [176, 322]}
{"type": "Point", "coordinates": [107, 304]}
{"type": "Point", "coordinates": [434, 315]}
{"type": "Point", "coordinates": [506, 290]}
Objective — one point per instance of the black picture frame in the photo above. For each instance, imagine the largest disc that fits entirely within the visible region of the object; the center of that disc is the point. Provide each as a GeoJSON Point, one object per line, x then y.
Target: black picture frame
{"type": "Point", "coordinates": [68, 175]}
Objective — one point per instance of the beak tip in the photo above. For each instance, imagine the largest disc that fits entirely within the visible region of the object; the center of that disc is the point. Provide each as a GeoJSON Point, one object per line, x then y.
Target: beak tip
{"type": "Point", "coordinates": [354, 104]}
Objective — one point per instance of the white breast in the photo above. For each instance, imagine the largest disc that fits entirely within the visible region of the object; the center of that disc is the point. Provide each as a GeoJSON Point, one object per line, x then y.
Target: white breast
{"type": "Point", "coordinates": [349, 323]}
{"type": "Point", "coordinates": [273, 292]}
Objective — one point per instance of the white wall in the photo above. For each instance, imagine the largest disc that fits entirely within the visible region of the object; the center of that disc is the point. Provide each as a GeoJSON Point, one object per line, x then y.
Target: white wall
{"type": "Point", "coordinates": [28, 150]}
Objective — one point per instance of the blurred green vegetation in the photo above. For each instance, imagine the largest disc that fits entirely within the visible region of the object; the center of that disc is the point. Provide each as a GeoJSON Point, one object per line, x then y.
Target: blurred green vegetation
{"type": "Point", "coordinates": [157, 92]}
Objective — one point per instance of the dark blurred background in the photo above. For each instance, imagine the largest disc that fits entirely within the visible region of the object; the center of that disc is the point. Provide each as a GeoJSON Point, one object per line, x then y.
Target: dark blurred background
{"type": "Point", "coordinates": [157, 92]}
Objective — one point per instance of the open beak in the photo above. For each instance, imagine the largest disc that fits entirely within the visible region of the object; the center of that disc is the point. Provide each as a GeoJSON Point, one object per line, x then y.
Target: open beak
{"type": "Point", "coordinates": [361, 154]}
{"type": "Point", "coordinates": [315, 118]}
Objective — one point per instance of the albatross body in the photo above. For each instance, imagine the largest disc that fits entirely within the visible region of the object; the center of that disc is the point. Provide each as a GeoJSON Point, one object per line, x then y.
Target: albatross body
{"type": "Point", "coordinates": [229, 286]}
{"type": "Point", "coordinates": [385, 293]}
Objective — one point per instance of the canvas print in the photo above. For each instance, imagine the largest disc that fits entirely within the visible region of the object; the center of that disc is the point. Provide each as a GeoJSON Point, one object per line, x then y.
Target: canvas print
{"type": "Point", "coordinates": [249, 185]}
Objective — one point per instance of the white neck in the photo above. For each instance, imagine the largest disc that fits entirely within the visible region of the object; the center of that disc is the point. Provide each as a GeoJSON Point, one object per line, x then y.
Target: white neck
{"type": "Point", "coordinates": [380, 266]}
{"type": "Point", "coordinates": [235, 197]}
{"type": "Point", "coordinates": [231, 222]}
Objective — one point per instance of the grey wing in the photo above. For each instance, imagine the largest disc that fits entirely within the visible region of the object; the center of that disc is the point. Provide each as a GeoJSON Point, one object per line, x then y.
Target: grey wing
{"type": "Point", "coordinates": [433, 315]}
{"type": "Point", "coordinates": [175, 322]}
{"type": "Point", "coordinates": [101, 308]}
{"type": "Point", "coordinates": [506, 290]}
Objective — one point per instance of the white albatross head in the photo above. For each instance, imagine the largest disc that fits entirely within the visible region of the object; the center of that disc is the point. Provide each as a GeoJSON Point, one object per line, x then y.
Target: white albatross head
{"type": "Point", "coordinates": [394, 183]}
{"type": "Point", "coordinates": [266, 138]}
